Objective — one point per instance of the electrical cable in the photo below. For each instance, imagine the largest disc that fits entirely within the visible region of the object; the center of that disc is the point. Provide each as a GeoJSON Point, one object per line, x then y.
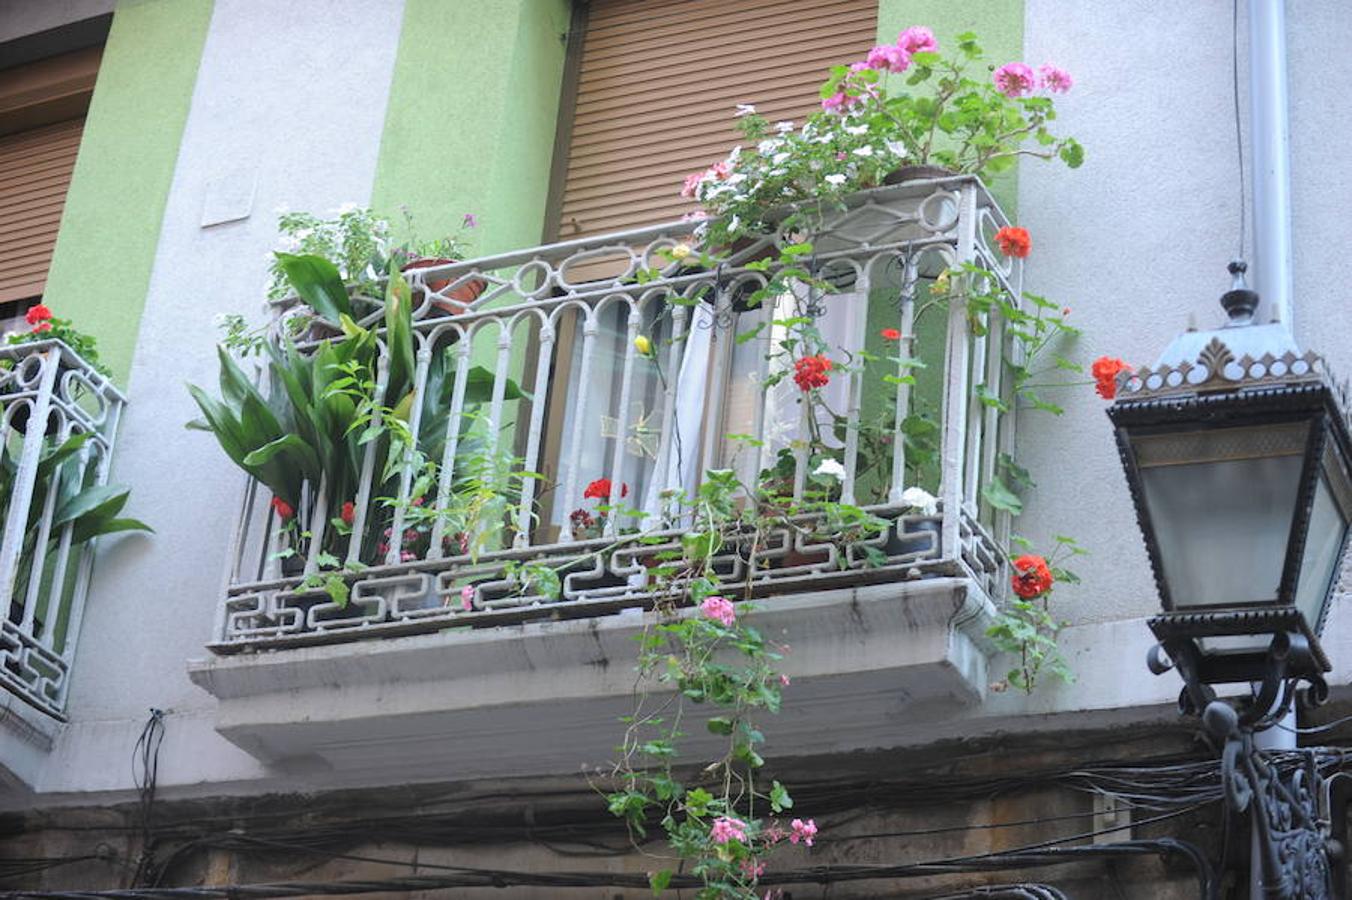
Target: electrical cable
{"type": "Point", "coordinates": [1030, 857]}
{"type": "Point", "coordinates": [146, 753]}
{"type": "Point", "coordinates": [1315, 729]}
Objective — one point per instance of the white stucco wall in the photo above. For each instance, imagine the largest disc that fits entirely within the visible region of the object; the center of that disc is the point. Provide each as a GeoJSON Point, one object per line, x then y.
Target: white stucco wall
{"type": "Point", "coordinates": [1136, 242]}
{"type": "Point", "coordinates": [290, 96]}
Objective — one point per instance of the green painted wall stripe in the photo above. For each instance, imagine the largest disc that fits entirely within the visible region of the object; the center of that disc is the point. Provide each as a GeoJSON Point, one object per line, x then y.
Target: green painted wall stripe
{"type": "Point", "coordinates": [999, 28]}
{"type": "Point", "coordinates": [471, 118]}
{"type": "Point", "coordinates": [110, 228]}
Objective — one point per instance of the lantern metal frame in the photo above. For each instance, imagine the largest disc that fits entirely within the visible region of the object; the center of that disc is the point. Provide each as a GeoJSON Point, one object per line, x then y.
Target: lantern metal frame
{"type": "Point", "coordinates": [1221, 390]}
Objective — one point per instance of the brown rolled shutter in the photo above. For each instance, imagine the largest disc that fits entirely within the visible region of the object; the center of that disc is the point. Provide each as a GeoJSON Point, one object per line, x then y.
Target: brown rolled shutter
{"type": "Point", "coordinates": [658, 84]}
{"type": "Point", "coordinates": [42, 108]}
{"type": "Point", "coordinates": [35, 169]}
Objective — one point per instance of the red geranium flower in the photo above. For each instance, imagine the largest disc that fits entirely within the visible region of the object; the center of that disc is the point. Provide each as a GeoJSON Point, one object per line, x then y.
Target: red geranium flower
{"type": "Point", "coordinates": [812, 372]}
{"type": "Point", "coordinates": [349, 512]}
{"type": "Point", "coordinates": [890, 334]}
{"type": "Point", "coordinates": [1105, 371]}
{"type": "Point", "coordinates": [42, 327]}
{"type": "Point", "coordinates": [284, 510]}
{"type": "Point", "coordinates": [600, 490]}
{"type": "Point", "coordinates": [1032, 577]}
{"type": "Point", "coordinates": [1014, 241]}
{"type": "Point", "coordinates": [38, 314]}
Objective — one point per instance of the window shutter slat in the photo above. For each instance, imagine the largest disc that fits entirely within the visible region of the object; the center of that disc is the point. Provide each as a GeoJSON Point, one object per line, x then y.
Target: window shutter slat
{"type": "Point", "coordinates": [658, 83]}
{"type": "Point", "coordinates": [37, 166]}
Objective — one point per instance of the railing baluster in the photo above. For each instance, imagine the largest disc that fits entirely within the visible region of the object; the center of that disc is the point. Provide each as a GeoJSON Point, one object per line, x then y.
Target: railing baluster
{"type": "Point", "coordinates": [537, 418]}
{"type": "Point", "coordinates": [975, 421]}
{"type": "Point", "coordinates": [38, 559]}
{"type": "Point", "coordinates": [617, 487]}
{"type": "Point", "coordinates": [58, 579]}
{"type": "Point", "coordinates": [957, 386]}
{"type": "Point", "coordinates": [665, 446]}
{"type": "Point", "coordinates": [500, 378]}
{"type": "Point", "coordinates": [406, 468]}
{"type": "Point", "coordinates": [446, 475]}
{"type": "Point", "coordinates": [905, 353]}
{"type": "Point", "coordinates": [859, 296]}
{"type": "Point", "coordinates": [995, 381]}
{"type": "Point", "coordinates": [25, 479]}
{"type": "Point", "coordinates": [361, 507]}
{"type": "Point", "coordinates": [589, 329]}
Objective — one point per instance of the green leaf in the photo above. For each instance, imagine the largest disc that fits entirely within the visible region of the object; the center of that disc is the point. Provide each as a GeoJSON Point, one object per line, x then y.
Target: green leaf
{"type": "Point", "coordinates": [317, 282]}
{"type": "Point", "coordinates": [291, 445]}
{"type": "Point", "coordinates": [1001, 497]}
{"type": "Point", "coordinates": [779, 798]}
{"type": "Point", "coordinates": [85, 530]}
{"type": "Point", "coordinates": [1072, 154]}
{"type": "Point", "coordinates": [399, 333]}
{"type": "Point", "coordinates": [720, 725]}
{"type": "Point", "coordinates": [107, 497]}
{"type": "Point", "coordinates": [658, 881]}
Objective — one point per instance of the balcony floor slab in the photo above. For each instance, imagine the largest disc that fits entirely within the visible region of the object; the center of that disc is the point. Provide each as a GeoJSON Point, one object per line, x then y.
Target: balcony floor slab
{"type": "Point", "coordinates": [529, 698]}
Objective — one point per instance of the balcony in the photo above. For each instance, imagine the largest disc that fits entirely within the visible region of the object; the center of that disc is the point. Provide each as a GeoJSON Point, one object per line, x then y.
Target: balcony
{"type": "Point", "coordinates": [58, 418]}
{"type": "Point", "coordinates": [531, 356]}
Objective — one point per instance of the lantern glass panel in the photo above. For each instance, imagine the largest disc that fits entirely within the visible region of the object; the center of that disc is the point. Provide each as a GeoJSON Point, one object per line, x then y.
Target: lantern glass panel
{"type": "Point", "coordinates": [1221, 503]}
{"type": "Point", "coordinates": [1323, 545]}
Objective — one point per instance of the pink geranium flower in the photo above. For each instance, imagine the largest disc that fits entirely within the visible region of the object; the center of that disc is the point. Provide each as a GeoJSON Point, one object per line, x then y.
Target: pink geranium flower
{"type": "Point", "coordinates": [1014, 79]}
{"type": "Point", "coordinates": [888, 58]}
{"type": "Point", "coordinates": [691, 184]}
{"type": "Point", "coordinates": [720, 610]}
{"type": "Point", "coordinates": [803, 831]}
{"type": "Point", "coordinates": [1055, 80]}
{"type": "Point", "coordinates": [917, 39]}
{"type": "Point", "coordinates": [727, 829]}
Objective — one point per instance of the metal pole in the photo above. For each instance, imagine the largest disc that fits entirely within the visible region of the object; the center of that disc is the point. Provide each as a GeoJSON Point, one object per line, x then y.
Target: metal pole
{"type": "Point", "coordinates": [1269, 136]}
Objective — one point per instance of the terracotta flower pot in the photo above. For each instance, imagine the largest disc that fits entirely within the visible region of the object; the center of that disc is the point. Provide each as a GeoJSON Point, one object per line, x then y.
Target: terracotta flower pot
{"type": "Point", "coordinates": [916, 173]}
{"type": "Point", "coordinates": [460, 298]}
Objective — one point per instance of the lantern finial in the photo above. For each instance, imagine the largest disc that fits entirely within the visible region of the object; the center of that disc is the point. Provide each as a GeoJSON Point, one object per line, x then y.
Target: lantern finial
{"type": "Point", "coordinates": [1240, 301]}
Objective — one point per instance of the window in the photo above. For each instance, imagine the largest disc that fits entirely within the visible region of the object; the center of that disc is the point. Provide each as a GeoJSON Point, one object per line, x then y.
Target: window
{"type": "Point", "coordinates": [656, 84]}
{"type": "Point", "coordinates": [42, 109]}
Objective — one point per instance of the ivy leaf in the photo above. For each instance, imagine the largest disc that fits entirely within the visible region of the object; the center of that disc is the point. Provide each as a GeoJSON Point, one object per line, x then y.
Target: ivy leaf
{"type": "Point", "coordinates": [779, 798]}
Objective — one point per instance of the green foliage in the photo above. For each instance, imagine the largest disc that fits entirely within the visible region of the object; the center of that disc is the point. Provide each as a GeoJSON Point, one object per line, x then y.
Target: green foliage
{"type": "Point", "coordinates": [90, 509]}
{"type": "Point", "coordinates": [85, 346]}
{"type": "Point", "coordinates": [951, 115]}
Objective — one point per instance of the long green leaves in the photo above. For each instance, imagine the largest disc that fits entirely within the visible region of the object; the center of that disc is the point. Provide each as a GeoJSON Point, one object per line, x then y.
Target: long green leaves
{"type": "Point", "coordinates": [318, 283]}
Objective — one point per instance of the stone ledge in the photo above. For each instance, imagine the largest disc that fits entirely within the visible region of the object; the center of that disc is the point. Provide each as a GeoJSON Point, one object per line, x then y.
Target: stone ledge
{"type": "Point", "coordinates": [26, 739]}
{"type": "Point", "coordinates": [544, 697]}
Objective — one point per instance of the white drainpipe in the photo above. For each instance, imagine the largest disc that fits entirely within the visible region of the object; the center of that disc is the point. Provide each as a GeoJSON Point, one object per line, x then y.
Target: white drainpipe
{"type": "Point", "coordinates": [1270, 139]}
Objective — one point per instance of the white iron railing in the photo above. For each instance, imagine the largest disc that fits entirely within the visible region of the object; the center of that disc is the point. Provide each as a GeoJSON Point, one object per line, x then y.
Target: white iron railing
{"type": "Point", "coordinates": [559, 322]}
{"type": "Point", "coordinates": [49, 397]}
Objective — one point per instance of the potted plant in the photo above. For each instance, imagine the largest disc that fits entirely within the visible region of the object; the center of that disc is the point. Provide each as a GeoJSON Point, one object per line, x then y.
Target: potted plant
{"type": "Point", "coordinates": [946, 122]}
{"type": "Point", "coordinates": [442, 252]}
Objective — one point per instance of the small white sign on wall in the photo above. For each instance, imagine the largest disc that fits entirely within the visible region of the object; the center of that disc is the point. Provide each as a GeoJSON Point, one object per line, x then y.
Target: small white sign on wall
{"type": "Point", "coordinates": [229, 197]}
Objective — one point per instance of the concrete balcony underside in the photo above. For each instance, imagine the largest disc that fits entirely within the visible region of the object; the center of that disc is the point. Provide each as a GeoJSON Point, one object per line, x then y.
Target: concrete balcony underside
{"type": "Point", "coordinates": [545, 697]}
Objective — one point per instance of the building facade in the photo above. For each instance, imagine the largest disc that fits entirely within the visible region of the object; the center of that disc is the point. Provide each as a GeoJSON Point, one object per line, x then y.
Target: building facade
{"type": "Point", "coordinates": [389, 736]}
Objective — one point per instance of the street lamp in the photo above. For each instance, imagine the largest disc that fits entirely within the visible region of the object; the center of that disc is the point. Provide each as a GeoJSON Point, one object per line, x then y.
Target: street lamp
{"type": "Point", "coordinates": [1238, 459]}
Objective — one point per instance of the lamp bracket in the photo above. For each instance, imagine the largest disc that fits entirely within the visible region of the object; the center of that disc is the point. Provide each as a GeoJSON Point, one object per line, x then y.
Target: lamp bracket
{"type": "Point", "coordinates": [1283, 792]}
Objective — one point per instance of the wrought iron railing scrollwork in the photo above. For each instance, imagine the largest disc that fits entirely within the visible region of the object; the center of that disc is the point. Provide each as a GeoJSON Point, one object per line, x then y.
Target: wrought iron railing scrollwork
{"type": "Point", "coordinates": [58, 419]}
{"type": "Point", "coordinates": [554, 326]}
